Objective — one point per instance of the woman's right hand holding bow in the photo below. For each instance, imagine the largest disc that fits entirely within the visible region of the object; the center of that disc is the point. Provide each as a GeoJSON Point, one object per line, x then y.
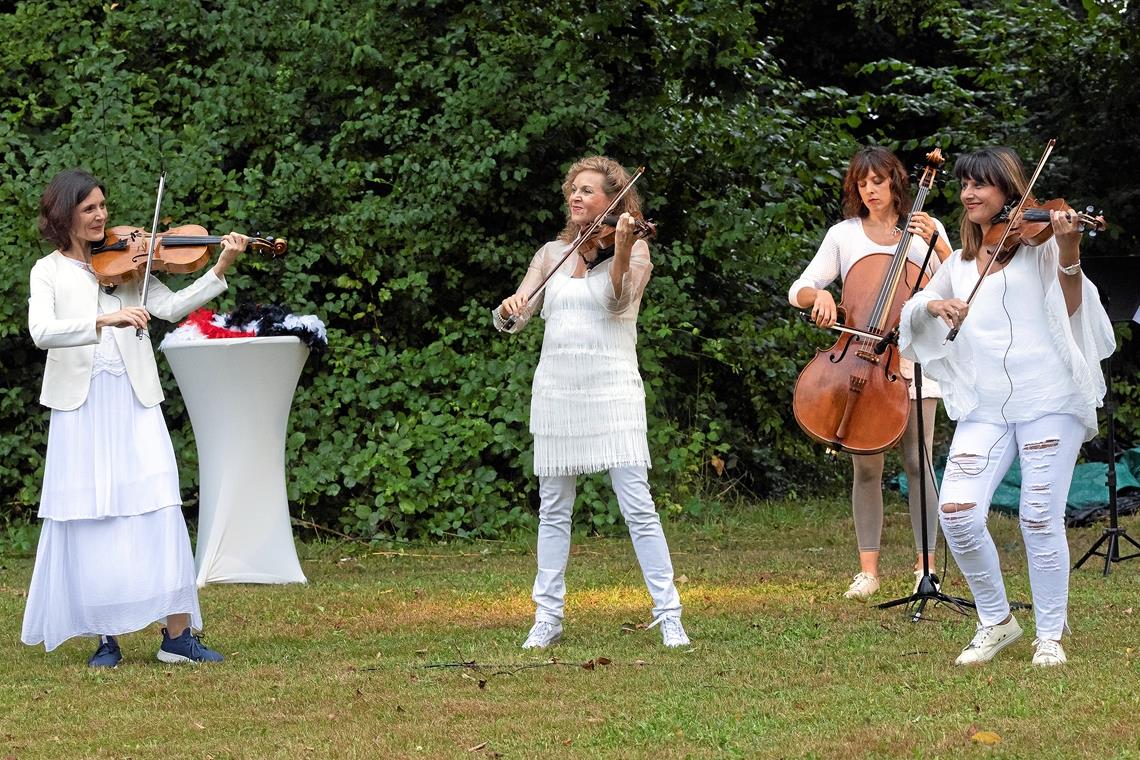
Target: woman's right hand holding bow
{"type": "Point", "coordinates": [823, 310]}
{"type": "Point", "coordinates": [513, 305]}
{"type": "Point", "coordinates": [951, 310]}
{"type": "Point", "coordinates": [128, 316]}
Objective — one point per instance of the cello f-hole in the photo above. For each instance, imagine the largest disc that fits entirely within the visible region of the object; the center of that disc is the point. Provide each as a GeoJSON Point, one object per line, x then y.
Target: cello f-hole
{"type": "Point", "coordinates": [836, 359]}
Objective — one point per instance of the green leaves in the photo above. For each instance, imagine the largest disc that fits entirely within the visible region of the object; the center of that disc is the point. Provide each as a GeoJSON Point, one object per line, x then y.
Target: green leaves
{"type": "Point", "coordinates": [413, 156]}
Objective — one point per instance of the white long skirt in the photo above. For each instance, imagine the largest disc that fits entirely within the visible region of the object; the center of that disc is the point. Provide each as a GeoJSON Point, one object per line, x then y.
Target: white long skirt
{"type": "Point", "coordinates": [111, 457]}
{"type": "Point", "coordinates": [111, 576]}
{"type": "Point", "coordinates": [114, 554]}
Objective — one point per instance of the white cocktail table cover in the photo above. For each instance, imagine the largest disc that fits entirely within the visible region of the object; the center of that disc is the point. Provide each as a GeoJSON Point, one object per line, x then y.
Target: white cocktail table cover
{"type": "Point", "coordinates": [238, 392]}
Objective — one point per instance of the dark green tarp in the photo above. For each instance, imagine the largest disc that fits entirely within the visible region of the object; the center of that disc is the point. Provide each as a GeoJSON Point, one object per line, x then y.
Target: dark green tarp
{"type": "Point", "coordinates": [1088, 494]}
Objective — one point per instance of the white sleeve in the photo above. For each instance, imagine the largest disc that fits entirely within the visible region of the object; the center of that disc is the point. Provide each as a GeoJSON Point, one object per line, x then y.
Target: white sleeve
{"type": "Point", "coordinates": [922, 337]}
{"type": "Point", "coordinates": [171, 305]}
{"type": "Point", "coordinates": [822, 270]}
{"type": "Point", "coordinates": [47, 329]}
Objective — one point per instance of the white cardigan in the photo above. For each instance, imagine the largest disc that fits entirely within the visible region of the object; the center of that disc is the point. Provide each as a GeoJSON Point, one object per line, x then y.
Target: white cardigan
{"type": "Point", "coordinates": [62, 308]}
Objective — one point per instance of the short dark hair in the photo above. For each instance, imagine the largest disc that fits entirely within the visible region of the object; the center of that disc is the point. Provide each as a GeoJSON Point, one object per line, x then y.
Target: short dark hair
{"type": "Point", "coordinates": [59, 201]}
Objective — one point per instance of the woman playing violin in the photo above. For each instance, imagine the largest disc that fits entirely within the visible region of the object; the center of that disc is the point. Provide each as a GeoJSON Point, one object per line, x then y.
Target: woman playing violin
{"type": "Point", "coordinates": [587, 400]}
{"type": "Point", "coordinates": [1023, 379]}
{"type": "Point", "coordinates": [876, 200]}
{"type": "Point", "coordinates": [114, 554]}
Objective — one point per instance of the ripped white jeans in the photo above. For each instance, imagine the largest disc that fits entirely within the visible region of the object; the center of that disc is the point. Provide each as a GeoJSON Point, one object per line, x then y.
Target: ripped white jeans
{"type": "Point", "coordinates": [979, 457]}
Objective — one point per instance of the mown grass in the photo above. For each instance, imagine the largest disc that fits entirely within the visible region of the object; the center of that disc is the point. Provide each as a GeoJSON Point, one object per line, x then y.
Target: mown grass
{"type": "Point", "coordinates": [781, 665]}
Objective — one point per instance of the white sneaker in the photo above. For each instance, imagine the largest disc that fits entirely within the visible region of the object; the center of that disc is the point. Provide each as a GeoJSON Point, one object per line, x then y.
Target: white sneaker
{"type": "Point", "coordinates": [542, 634]}
{"type": "Point", "coordinates": [1049, 653]}
{"type": "Point", "coordinates": [862, 586]}
{"type": "Point", "coordinates": [672, 632]}
{"type": "Point", "coordinates": [988, 641]}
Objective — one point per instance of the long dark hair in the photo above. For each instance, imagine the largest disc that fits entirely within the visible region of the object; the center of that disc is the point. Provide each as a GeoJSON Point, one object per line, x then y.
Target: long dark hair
{"type": "Point", "coordinates": [58, 204]}
{"type": "Point", "coordinates": [884, 163]}
{"type": "Point", "coordinates": [1000, 167]}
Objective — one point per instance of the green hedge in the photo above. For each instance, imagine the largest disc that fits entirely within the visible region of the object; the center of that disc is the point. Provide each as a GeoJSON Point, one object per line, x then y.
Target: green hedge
{"type": "Point", "coordinates": [412, 153]}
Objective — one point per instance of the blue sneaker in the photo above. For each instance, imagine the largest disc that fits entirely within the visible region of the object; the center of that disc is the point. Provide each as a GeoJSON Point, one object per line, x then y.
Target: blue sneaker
{"type": "Point", "coordinates": [107, 655]}
{"type": "Point", "coordinates": [185, 648]}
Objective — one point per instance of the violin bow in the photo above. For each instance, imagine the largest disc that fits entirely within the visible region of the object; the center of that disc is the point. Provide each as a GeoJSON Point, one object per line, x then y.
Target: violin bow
{"type": "Point", "coordinates": [1013, 215]}
{"type": "Point", "coordinates": [582, 237]}
{"type": "Point", "coordinates": [140, 332]}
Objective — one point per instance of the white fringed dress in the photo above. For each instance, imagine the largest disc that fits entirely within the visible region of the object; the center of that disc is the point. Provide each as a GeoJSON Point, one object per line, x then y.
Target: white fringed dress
{"type": "Point", "coordinates": [587, 410]}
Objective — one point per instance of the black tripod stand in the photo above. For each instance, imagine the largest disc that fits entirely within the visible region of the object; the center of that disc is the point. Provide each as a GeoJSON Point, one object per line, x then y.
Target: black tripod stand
{"type": "Point", "coordinates": [1120, 277]}
{"type": "Point", "coordinates": [928, 589]}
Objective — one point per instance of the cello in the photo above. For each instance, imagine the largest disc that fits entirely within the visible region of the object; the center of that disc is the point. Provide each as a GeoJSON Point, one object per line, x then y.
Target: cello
{"type": "Point", "coordinates": [851, 396]}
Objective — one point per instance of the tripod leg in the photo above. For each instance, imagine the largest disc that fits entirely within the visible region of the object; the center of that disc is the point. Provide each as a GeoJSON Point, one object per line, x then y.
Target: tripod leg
{"type": "Point", "coordinates": [1130, 540]}
{"type": "Point", "coordinates": [1111, 552]}
{"type": "Point", "coordinates": [1092, 550]}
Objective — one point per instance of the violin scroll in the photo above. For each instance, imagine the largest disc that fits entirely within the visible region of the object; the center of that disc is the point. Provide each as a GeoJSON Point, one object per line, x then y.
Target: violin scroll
{"type": "Point", "coordinates": [269, 245]}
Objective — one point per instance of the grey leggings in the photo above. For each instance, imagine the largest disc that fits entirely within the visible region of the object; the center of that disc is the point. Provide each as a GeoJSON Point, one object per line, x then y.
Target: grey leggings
{"type": "Point", "coordinates": [867, 487]}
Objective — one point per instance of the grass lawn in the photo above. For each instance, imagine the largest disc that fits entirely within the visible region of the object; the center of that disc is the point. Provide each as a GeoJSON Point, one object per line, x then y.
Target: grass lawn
{"type": "Point", "coordinates": [365, 661]}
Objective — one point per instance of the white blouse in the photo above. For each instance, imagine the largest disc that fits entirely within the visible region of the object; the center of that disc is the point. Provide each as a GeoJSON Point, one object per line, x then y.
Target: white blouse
{"type": "Point", "coordinates": [108, 357]}
{"type": "Point", "coordinates": [1019, 355]}
{"type": "Point", "coordinates": [844, 245]}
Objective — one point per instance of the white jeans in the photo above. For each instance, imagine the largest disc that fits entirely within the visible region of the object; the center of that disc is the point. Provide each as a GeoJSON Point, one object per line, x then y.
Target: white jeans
{"type": "Point", "coordinates": [631, 485]}
{"type": "Point", "coordinates": [979, 457]}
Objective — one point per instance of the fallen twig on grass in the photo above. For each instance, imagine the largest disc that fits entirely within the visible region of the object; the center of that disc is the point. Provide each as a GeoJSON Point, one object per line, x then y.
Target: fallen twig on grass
{"type": "Point", "coordinates": [509, 669]}
{"type": "Point", "coordinates": [512, 668]}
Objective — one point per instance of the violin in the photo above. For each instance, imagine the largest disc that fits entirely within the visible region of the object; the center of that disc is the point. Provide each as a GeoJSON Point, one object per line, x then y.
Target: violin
{"type": "Point", "coordinates": [1033, 226]}
{"type": "Point", "coordinates": [596, 232]}
{"type": "Point", "coordinates": [122, 256]}
{"type": "Point", "coordinates": [601, 241]}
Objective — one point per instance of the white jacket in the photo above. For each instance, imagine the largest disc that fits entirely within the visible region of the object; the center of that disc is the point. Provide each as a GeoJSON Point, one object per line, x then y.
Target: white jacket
{"type": "Point", "coordinates": [62, 309]}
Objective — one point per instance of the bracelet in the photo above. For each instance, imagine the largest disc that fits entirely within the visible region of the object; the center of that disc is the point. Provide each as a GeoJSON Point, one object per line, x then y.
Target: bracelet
{"type": "Point", "coordinates": [1070, 270]}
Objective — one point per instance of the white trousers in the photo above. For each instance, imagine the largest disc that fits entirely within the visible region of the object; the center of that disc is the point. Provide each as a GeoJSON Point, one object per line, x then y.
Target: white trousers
{"type": "Point", "coordinates": [979, 457]}
{"type": "Point", "coordinates": [631, 486]}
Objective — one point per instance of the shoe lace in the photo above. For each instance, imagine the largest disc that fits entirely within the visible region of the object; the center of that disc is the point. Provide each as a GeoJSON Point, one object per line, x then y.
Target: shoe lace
{"type": "Point", "coordinates": [670, 626]}
{"type": "Point", "coordinates": [197, 646]}
{"type": "Point", "coordinates": [1047, 648]}
{"type": "Point", "coordinates": [983, 634]}
{"type": "Point", "coordinates": [541, 631]}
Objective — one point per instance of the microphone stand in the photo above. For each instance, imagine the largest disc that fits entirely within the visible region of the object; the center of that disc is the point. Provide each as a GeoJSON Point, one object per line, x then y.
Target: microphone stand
{"type": "Point", "coordinates": [928, 587]}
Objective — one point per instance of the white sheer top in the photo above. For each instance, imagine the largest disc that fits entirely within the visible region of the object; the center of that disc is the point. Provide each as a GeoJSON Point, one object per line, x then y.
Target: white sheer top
{"type": "Point", "coordinates": [846, 243]}
{"type": "Point", "coordinates": [587, 410]}
{"type": "Point", "coordinates": [1019, 355]}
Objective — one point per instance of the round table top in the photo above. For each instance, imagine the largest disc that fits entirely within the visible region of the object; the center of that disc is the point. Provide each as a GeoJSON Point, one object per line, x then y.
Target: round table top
{"type": "Point", "coordinates": [221, 342]}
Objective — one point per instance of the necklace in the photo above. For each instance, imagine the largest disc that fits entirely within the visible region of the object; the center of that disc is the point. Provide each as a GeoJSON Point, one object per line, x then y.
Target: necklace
{"type": "Point", "coordinates": [891, 230]}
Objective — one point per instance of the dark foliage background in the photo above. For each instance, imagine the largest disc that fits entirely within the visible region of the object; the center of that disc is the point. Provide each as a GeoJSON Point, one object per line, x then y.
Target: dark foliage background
{"type": "Point", "coordinates": [412, 152]}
